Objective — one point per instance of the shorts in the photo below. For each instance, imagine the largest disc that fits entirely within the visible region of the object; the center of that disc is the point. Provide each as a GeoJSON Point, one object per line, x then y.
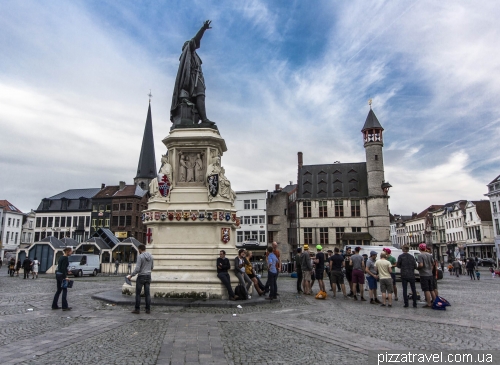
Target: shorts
{"type": "Point", "coordinates": [348, 275]}
{"type": "Point", "coordinates": [386, 286]}
{"type": "Point", "coordinates": [427, 283]}
{"type": "Point", "coordinates": [358, 277]}
{"type": "Point", "coordinates": [313, 275]}
{"type": "Point", "coordinates": [319, 274]}
{"type": "Point", "coordinates": [306, 275]}
{"type": "Point", "coordinates": [393, 276]}
{"type": "Point", "coordinates": [372, 282]}
{"type": "Point", "coordinates": [337, 277]}
{"type": "Point", "coordinates": [251, 276]}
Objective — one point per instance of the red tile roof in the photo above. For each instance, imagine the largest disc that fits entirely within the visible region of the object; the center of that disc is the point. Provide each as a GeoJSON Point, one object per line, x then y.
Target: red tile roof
{"type": "Point", "coordinates": [8, 207]}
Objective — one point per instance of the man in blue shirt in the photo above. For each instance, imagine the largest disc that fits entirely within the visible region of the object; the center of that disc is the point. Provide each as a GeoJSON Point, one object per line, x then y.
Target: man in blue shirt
{"type": "Point", "coordinates": [272, 274]}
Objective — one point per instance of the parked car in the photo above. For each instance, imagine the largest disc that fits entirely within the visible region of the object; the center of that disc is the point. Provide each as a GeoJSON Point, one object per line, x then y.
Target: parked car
{"type": "Point", "coordinates": [486, 262]}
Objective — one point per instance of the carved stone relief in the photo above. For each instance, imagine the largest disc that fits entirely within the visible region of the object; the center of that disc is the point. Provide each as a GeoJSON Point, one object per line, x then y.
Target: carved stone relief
{"type": "Point", "coordinates": [191, 168]}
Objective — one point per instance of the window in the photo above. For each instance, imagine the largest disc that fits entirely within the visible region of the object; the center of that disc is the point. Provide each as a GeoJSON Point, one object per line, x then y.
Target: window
{"type": "Point", "coordinates": [262, 236]}
{"type": "Point", "coordinates": [87, 221]}
{"type": "Point", "coordinates": [307, 209]}
{"type": "Point", "coordinates": [8, 222]}
{"type": "Point", "coordinates": [116, 207]}
{"type": "Point", "coordinates": [83, 203]}
{"type": "Point", "coordinates": [29, 236]}
{"type": "Point", "coordinates": [255, 219]}
{"type": "Point", "coordinates": [246, 220]}
{"type": "Point", "coordinates": [494, 205]}
{"type": "Point", "coordinates": [64, 204]}
{"type": "Point", "coordinates": [15, 240]}
{"type": "Point", "coordinates": [63, 221]}
{"type": "Point", "coordinates": [121, 221]}
{"type": "Point", "coordinates": [128, 220]}
{"type": "Point", "coordinates": [339, 208]}
{"type": "Point", "coordinates": [108, 207]}
{"type": "Point", "coordinates": [323, 236]}
{"type": "Point", "coordinates": [246, 204]}
{"type": "Point", "coordinates": [254, 204]}
{"type": "Point", "coordinates": [56, 222]}
{"type": "Point", "coordinates": [356, 229]}
{"type": "Point", "coordinates": [101, 208]}
{"type": "Point", "coordinates": [470, 215]}
{"type": "Point", "coordinates": [254, 235]}
{"type": "Point", "coordinates": [51, 221]}
{"type": "Point", "coordinates": [371, 223]}
{"type": "Point", "coordinates": [115, 220]}
{"type": "Point", "coordinates": [94, 223]}
{"type": "Point", "coordinates": [376, 157]}
{"type": "Point", "coordinates": [247, 235]}
{"type": "Point", "coordinates": [122, 206]}
{"type": "Point", "coordinates": [355, 208]}
{"type": "Point", "coordinates": [497, 227]}
{"type": "Point", "coordinates": [239, 237]}
{"type": "Point", "coordinates": [30, 224]}
{"type": "Point", "coordinates": [38, 222]}
{"type": "Point", "coordinates": [262, 219]}
{"type": "Point", "coordinates": [323, 212]}
{"type": "Point", "coordinates": [339, 231]}
{"type": "Point", "coordinates": [99, 223]}
{"type": "Point", "coordinates": [75, 221]}
{"type": "Point", "coordinates": [308, 236]}
{"type": "Point", "coordinates": [129, 206]}
{"type": "Point", "coordinates": [94, 208]}
{"type": "Point", "coordinates": [44, 221]}
{"type": "Point", "coordinates": [17, 223]}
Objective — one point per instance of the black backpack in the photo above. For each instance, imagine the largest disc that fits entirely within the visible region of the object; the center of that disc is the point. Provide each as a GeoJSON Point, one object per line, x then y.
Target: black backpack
{"type": "Point", "coordinates": [240, 292]}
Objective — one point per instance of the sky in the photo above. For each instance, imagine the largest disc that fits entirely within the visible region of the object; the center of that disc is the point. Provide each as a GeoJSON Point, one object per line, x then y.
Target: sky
{"type": "Point", "coordinates": [281, 76]}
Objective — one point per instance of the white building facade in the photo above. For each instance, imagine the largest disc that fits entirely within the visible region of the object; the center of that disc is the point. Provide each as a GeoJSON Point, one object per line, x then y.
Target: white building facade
{"type": "Point", "coordinates": [251, 209]}
{"type": "Point", "coordinates": [11, 225]}
{"type": "Point", "coordinates": [494, 196]}
{"type": "Point", "coordinates": [28, 231]}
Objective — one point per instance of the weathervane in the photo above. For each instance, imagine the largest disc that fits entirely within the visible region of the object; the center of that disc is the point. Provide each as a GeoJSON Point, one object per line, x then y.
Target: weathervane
{"type": "Point", "coordinates": [150, 95]}
{"type": "Point", "coordinates": [370, 103]}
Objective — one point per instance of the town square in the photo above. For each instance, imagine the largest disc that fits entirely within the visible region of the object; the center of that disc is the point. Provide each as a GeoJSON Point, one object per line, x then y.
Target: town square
{"type": "Point", "coordinates": [249, 183]}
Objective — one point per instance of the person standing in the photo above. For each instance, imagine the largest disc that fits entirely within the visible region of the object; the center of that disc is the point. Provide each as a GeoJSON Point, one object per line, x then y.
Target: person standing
{"type": "Point", "coordinates": [305, 264]}
{"type": "Point", "coordinates": [129, 266]}
{"type": "Point", "coordinates": [278, 267]}
{"type": "Point", "coordinates": [298, 270]}
{"type": "Point", "coordinates": [358, 270]}
{"type": "Point", "coordinates": [384, 273]}
{"type": "Point", "coordinates": [117, 266]}
{"type": "Point", "coordinates": [239, 271]}
{"type": "Point", "coordinates": [393, 262]}
{"type": "Point", "coordinates": [329, 254]}
{"type": "Point", "coordinates": [272, 262]}
{"type": "Point", "coordinates": [62, 275]}
{"type": "Point", "coordinates": [320, 267]}
{"type": "Point", "coordinates": [407, 266]}
{"type": "Point", "coordinates": [456, 267]}
{"type": "Point", "coordinates": [372, 277]}
{"type": "Point", "coordinates": [34, 268]}
{"type": "Point", "coordinates": [18, 267]}
{"type": "Point", "coordinates": [425, 264]}
{"type": "Point", "coordinates": [348, 269]}
{"type": "Point", "coordinates": [249, 270]}
{"type": "Point", "coordinates": [337, 263]}
{"type": "Point", "coordinates": [470, 268]}
{"type": "Point", "coordinates": [27, 267]}
{"type": "Point", "coordinates": [223, 266]}
{"type": "Point", "coordinates": [143, 270]}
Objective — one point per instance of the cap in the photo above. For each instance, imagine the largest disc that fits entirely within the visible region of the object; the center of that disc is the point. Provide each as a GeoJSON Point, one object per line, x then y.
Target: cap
{"type": "Point", "coordinates": [306, 247]}
{"type": "Point", "coordinates": [319, 248]}
{"type": "Point", "coordinates": [329, 251]}
{"type": "Point", "coordinates": [364, 255]}
{"type": "Point", "coordinates": [387, 250]}
{"type": "Point", "coordinates": [422, 247]}
{"type": "Point", "coordinates": [373, 253]}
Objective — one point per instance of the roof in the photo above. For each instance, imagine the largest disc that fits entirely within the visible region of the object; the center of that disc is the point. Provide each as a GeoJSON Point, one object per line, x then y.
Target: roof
{"type": "Point", "coordinates": [107, 236]}
{"type": "Point", "coordinates": [69, 242]}
{"type": "Point", "coordinates": [130, 190]}
{"type": "Point", "coordinates": [356, 236]}
{"type": "Point", "coordinates": [289, 188]}
{"type": "Point", "coordinates": [107, 192]}
{"type": "Point", "coordinates": [371, 121]}
{"type": "Point", "coordinates": [496, 179]}
{"type": "Point", "coordinates": [53, 241]}
{"type": "Point", "coordinates": [147, 162]}
{"type": "Point", "coordinates": [131, 240]}
{"type": "Point", "coordinates": [431, 208]}
{"type": "Point", "coordinates": [8, 207]}
{"type": "Point", "coordinates": [99, 242]}
{"type": "Point", "coordinates": [483, 210]}
{"type": "Point", "coordinates": [333, 180]}
{"type": "Point", "coordinates": [76, 194]}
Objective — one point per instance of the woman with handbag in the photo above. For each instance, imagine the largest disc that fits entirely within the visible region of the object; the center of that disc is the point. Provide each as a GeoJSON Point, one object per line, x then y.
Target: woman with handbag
{"type": "Point", "coordinates": [62, 280]}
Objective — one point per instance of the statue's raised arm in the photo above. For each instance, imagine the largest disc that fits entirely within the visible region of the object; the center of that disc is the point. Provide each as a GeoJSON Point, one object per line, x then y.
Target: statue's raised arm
{"type": "Point", "coordinates": [188, 99]}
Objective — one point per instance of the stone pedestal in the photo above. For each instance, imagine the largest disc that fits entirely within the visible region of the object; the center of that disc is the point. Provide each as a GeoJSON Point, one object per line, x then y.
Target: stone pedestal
{"type": "Point", "coordinates": [190, 226]}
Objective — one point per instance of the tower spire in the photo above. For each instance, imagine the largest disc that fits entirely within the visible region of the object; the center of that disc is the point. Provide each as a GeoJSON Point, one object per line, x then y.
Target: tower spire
{"type": "Point", "coordinates": [146, 168]}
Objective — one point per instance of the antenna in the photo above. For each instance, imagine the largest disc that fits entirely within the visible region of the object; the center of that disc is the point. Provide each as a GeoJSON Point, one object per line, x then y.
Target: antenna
{"type": "Point", "coordinates": [150, 95]}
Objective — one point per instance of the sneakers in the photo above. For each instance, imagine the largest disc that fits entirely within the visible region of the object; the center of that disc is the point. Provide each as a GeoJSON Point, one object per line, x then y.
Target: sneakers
{"type": "Point", "coordinates": [372, 301]}
{"type": "Point", "coordinates": [56, 308]}
{"type": "Point", "coordinates": [249, 297]}
{"type": "Point", "coordinates": [66, 309]}
{"type": "Point", "coordinates": [135, 311]}
{"type": "Point", "coordinates": [377, 301]}
{"type": "Point", "coordinates": [363, 299]}
{"type": "Point", "coordinates": [350, 294]}
{"type": "Point", "coordinates": [382, 305]}
{"type": "Point", "coordinates": [355, 297]}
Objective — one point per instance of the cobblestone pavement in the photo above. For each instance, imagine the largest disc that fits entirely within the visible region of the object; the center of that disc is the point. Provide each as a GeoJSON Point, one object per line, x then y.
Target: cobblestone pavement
{"type": "Point", "coordinates": [297, 330]}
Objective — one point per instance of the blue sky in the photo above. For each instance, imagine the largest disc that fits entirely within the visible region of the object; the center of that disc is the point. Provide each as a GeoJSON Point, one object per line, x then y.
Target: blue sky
{"type": "Point", "coordinates": [282, 77]}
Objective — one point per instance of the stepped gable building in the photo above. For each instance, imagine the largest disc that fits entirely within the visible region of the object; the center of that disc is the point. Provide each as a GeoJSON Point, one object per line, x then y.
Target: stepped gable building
{"type": "Point", "coordinates": [65, 215]}
{"type": "Point", "coordinates": [345, 203]}
{"type": "Point", "coordinates": [146, 168]}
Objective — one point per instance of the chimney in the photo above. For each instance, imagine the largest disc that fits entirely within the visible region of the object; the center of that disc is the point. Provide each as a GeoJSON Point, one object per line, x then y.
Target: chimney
{"type": "Point", "coordinates": [300, 161]}
{"type": "Point", "coordinates": [122, 185]}
{"type": "Point", "coordinates": [103, 186]}
{"type": "Point", "coordinates": [277, 187]}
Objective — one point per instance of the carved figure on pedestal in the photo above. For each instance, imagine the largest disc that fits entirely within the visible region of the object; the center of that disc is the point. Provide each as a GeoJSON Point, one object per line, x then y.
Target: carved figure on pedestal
{"type": "Point", "coordinates": [161, 186]}
{"type": "Point", "coordinates": [198, 165]}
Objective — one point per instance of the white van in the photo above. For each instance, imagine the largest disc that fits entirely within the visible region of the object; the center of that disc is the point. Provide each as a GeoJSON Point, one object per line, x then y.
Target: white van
{"type": "Point", "coordinates": [80, 265]}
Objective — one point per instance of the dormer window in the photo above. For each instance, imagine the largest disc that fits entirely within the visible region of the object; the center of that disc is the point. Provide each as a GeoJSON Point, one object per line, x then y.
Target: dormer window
{"type": "Point", "coordinates": [64, 204]}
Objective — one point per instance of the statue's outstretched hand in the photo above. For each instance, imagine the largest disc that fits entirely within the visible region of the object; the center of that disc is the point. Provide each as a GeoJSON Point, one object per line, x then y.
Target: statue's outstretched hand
{"type": "Point", "coordinates": [206, 24]}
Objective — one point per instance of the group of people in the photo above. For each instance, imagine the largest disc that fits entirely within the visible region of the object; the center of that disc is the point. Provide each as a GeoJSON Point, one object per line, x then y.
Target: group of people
{"type": "Point", "coordinates": [379, 273]}
{"type": "Point", "coordinates": [29, 267]}
{"type": "Point", "coordinates": [458, 267]}
{"type": "Point", "coordinates": [246, 275]}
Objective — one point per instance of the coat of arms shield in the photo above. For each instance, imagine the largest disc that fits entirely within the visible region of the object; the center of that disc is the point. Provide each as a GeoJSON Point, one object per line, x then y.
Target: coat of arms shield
{"type": "Point", "coordinates": [178, 216]}
{"type": "Point", "coordinates": [157, 216]}
{"type": "Point", "coordinates": [201, 216]}
{"type": "Point", "coordinates": [193, 216]}
{"type": "Point", "coordinates": [209, 216]}
{"type": "Point", "coordinates": [164, 185]}
{"type": "Point", "coordinates": [221, 216]}
{"type": "Point", "coordinates": [163, 216]}
{"type": "Point", "coordinates": [225, 235]}
{"type": "Point", "coordinates": [237, 223]}
{"type": "Point", "coordinates": [233, 217]}
{"type": "Point", "coordinates": [228, 216]}
{"type": "Point", "coordinates": [213, 185]}
{"type": "Point", "coordinates": [170, 216]}
{"type": "Point", "coordinates": [185, 215]}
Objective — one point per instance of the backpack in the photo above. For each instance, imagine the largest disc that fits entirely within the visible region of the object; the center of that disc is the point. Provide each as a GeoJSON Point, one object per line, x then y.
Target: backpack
{"type": "Point", "coordinates": [240, 292]}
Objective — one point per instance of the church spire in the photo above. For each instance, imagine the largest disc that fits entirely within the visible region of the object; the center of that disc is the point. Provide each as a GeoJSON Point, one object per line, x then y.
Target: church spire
{"type": "Point", "coordinates": [146, 169]}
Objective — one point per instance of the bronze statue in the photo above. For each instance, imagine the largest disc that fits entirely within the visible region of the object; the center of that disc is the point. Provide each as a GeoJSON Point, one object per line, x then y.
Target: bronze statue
{"type": "Point", "coordinates": [188, 100]}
